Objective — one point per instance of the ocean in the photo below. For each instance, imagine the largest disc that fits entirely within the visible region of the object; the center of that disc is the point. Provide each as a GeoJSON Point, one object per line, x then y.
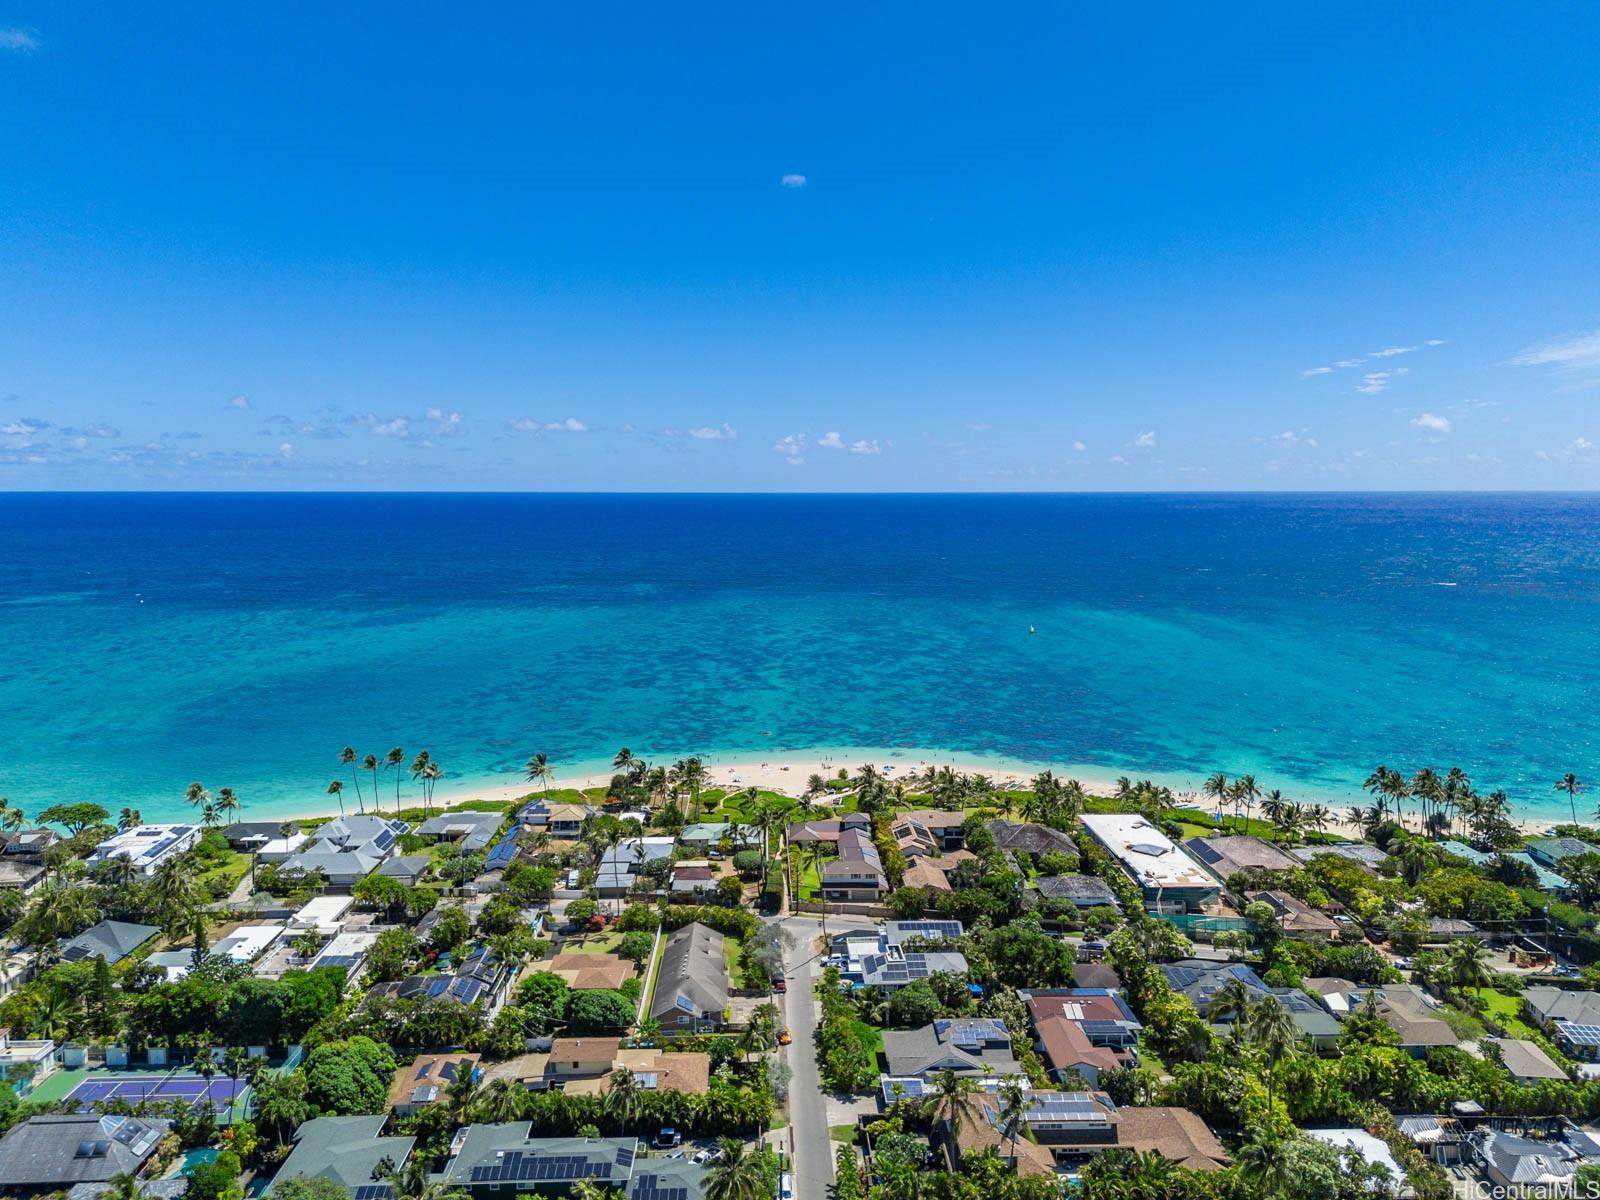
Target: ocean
{"type": "Point", "coordinates": [243, 639]}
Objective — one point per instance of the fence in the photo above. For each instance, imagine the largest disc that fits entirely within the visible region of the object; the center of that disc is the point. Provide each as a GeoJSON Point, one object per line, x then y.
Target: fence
{"type": "Point", "coordinates": [841, 908]}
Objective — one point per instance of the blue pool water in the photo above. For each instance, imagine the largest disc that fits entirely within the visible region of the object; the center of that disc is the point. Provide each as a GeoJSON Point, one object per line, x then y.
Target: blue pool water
{"type": "Point", "coordinates": [147, 640]}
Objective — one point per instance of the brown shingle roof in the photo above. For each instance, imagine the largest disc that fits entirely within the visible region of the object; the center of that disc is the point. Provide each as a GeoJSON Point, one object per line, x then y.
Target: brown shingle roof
{"type": "Point", "coordinates": [584, 1049]}
{"type": "Point", "coordinates": [1174, 1133]}
{"type": "Point", "coordinates": [587, 971]}
{"type": "Point", "coordinates": [1067, 1046]}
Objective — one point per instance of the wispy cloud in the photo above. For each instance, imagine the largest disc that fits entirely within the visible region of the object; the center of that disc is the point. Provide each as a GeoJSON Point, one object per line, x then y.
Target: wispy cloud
{"type": "Point", "coordinates": [533, 425]}
{"type": "Point", "coordinates": [792, 448]}
{"type": "Point", "coordinates": [831, 441]}
{"type": "Point", "coordinates": [1145, 440]}
{"type": "Point", "coordinates": [714, 433]}
{"type": "Point", "coordinates": [1572, 354]}
{"type": "Point", "coordinates": [1431, 423]}
{"type": "Point", "coordinates": [1293, 437]}
{"type": "Point", "coordinates": [1079, 447]}
{"type": "Point", "coordinates": [18, 39]}
{"type": "Point", "coordinates": [240, 402]}
{"type": "Point", "coordinates": [866, 446]}
{"type": "Point", "coordinates": [1374, 382]}
{"type": "Point", "coordinates": [792, 181]}
{"type": "Point", "coordinates": [1346, 364]}
{"type": "Point", "coordinates": [445, 424]}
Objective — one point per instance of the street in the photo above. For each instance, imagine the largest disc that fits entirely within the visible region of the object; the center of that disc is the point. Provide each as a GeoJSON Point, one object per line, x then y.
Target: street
{"type": "Point", "coordinates": [809, 1142]}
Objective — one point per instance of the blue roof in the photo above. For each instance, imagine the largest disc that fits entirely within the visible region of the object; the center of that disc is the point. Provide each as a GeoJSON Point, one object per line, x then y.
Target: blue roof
{"type": "Point", "coordinates": [503, 853]}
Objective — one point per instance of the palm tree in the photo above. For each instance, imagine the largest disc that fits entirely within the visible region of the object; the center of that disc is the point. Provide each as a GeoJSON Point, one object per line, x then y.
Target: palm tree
{"type": "Point", "coordinates": [1216, 788]}
{"type": "Point", "coordinates": [1571, 785]}
{"type": "Point", "coordinates": [336, 790]}
{"type": "Point", "coordinates": [1245, 789]}
{"type": "Point", "coordinates": [124, 1185]}
{"type": "Point", "coordinates": [1231, 1003]}
{"type": "Point", "coordinates": [348, 757]}
{"type": "Point", "coordinates": [1466, 964]}
{"type": "Point", "coordinates": [1013, 1113]}
{"type": "Point", "coordinates": [128, 818]}
{"type": "Point", "coordinates": [197, 795]}
{"type": "Point", "coordinates": [622, 1098]}
{"type": "Point", "coordinates": [419, 770]}
{"type": "Point", "coordinates": [953, 1101]}
{"type": "Point", "coordinates": [1396, 789]}
{"type": "Point", "coordinates": [539, 771]}
{"type": "Point", "coordinates": [463, 1090]}
{"type": "Point", "coordinates": [1274, 1030]}
{"type": "Point", "coordinates": [1262, 1160]}
{"type": "Point", "coordinates": [501, 1101]}
{"type": "Point", "coordinates": [736, 1175]}
{"type": "Point", "coordinates": [235, 1064]}
{"type": "Point", "coordinates": [370, 763]}
{"type": "Point", "coordinates": [431, 774]}
{"type": "Point", "coordinates": [395, 759]}
{"type": "Point", "coordinates": [227, 802]}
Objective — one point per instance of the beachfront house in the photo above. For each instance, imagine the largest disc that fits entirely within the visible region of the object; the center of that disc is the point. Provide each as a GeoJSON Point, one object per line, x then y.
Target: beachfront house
{"type": "Point", "coordinates": [269, 841]}
{"type": "Point", "coordinates": [560, 821]}
{"type": "Point", "coordinates": [468, 830]}
{"type": "Point", "coordinates": [146, 847]}
{"type": "Point", "coordinates": [346, 851]}
{"type": "Point", "coordinates": [1226, 857]}
{"type": "Point", "coordinates": [691, 991]}
{"type": "Point", "coordinates": [1549, 852]}
{"type": "Point", "coordinates": [1033, 838]}
{"type": "Point", "coordinates": [1168, 879]}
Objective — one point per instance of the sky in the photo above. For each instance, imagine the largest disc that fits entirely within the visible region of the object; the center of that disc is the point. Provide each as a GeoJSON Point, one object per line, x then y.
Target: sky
{"type": "Point", "coordinates": [815, 248]}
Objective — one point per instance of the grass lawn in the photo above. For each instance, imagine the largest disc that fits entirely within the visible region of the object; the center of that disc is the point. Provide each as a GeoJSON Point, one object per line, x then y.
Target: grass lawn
{"type": "Point", "coordinates": [235, 868]}
{"type": "Point", "coordinates": [1507, 1010]}
{"type": "Point", "coordinates": [731, 955]}
{"type": "Point", "coordinates": [871, 1037]}
{"type": "Point", "coordinates": [591, 943]}
{"type": "Point", "coordinates": [842, 1133]}
{"type": "Point", "coordinates": [1191, 830]}
{"type": "Point", "coordinates": [1149, 1058]}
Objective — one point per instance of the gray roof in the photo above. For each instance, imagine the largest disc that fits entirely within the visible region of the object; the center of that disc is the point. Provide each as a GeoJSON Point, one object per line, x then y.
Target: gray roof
{"type": "Point", "coordinates": [346, 1150]}
{"type": "Point", "coordinates": [1225, 856]}
{"type": "Point", "coordinates": [405, 866]}
{"type": "Point", "coordinates": [1555, 849]}
{"type": "Point", "coordinates": [1520, 1160]}
{"type": "Point", "coordinates": [1558, 1004]}
{"type": "Point", "coordinates": [110, 940]}
{"type": "Point", "coordinates": [1357, 852]}
{"type": "Point", "coordinates": [693, 977]}
{"type": "Point", "coordinates": [52, 1153]}
{"type": "Point", "coordinates": [1086, 891]}
{"type": "Point", "coordinates": [1201, 979]}
{"type": "Point", "coordinates": [491, 1153]}
{"type": "Point", "coordinates": [1526, 1060]}
{"type": "Point", "coordinates": [475, 830]}
{"type": "Point", "coordinates": [654, 1176]}
{"type": "Point", "coordinates": [1032, 837]}
{"type": "Point", "coordinates": [967, 1046]}
{"type": "Point", "coordinates": [155, 1189]}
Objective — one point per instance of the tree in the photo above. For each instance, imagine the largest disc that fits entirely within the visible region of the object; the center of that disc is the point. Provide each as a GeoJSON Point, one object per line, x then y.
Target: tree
{"type": "Point", "coordinates": [370, 763]}
{"type": "Point", "coordinates": [635, 946]}
{"type": "Point", "coordinates": [1013, 1113]}
{"type": "Point", "coordinates": [598, 1010]}
{"type": "Point", "coordinates": [129, 818]}
{"type": "Point", "coordinates": [350, 1076]}
{"type": "Point", "coordinates": [336, 790]}
{"type": "Point", "coordinates": [736, 1175]}
{"type": "Point", "coordinates": [1467, 964]}
{"type": "Point", "coordinates": [913, 1005]}
{"type": "Point", "coordinates": [623, 1098]}
{"type": "Point", "coordinates": [394, 761]}
{"type": "Point", "coordinates": [539, 771]}
{"type": "Point", "coordinates": [348, 757]}
{"type": "Point", "coordinates": [74, 818]}
{"type": "Point", "coordinates": [1571, 785]}
{"type": "Point", "coordinates": [1273, 1029]}
{"type": "Point", "coordinates": [315, 1187]}
{"type": "Point", "coordinates": [953, 1101]}
{"type": "Point", "coordinates": [451, 929]}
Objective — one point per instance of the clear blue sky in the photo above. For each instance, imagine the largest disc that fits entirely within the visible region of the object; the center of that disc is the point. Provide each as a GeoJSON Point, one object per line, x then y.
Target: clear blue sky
{"type": "Point", "coordinates": [865, 247]}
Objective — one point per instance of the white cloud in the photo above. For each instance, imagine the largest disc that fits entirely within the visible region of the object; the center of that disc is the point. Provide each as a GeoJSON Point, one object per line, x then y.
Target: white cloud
{"type": "Point", "coordinates": [530, 425]}
{"type": "Point", "coordinates": [239, 402]}
{"type": "Point", "coordinates": [1294, 437]}
{"type": "Point", "coordinates": [1431, 423]}
{"type": "Point", "coordinates": [95, 429]}
{"type": "Point", "coordinates": [865, 446]}
{"type": "Point", "coordinates": [17, 39]}
{"type": "Point", "coordinates": [1581, 445]}
{"type": "Point", "coordinates": [831, 441]}
{"type": "Point", "coordinates": [79, 443]}
{"type": "Point", "coordinates": [980, 427]}
{"type": "Point", "coordinates": [285, 449]}
{"type": "Point", "coordinates": [792, 447]}
{"type": "Point", "coordinates": [445, 423]}
{"type": "Point", "coordinates": [1079, 447]}
{"type": "Point", "coordinates": [793, 181]}
{"type": "Point", "coordinates": [1374, 382]}
{"type": "Point", "coordinates": [395, 427]}
{"type": "Point", "coordinates": [1574, 354]}
{"type": "Point", "coordinates": [1117, 458]}
{"type": "Point", "coordinates": [1309, 371]}
{"type": "Point", "coordinates": [714, 433]}
{"type": "Point", "coordinates": [1344, 364]}
{"type": "Point", "coordinates": [1391, 351]}
{"type": "Point", "coordinates": [1145, 440]}
{"type": "Point", "coordinates": [23, 428]}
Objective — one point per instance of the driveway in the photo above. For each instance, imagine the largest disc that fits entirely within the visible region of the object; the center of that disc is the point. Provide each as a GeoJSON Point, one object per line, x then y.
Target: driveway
{"type": "Point", "coordinates": [809, 1146]}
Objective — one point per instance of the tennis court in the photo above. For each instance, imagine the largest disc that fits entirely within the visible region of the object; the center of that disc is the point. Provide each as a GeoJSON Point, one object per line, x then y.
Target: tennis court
{"type": "Point", "coordinates": [189, 1090]}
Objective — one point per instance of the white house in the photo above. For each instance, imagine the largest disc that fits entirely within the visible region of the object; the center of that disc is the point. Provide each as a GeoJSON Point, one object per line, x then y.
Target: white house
{"type": "Point", "coordinates": [146, 846]}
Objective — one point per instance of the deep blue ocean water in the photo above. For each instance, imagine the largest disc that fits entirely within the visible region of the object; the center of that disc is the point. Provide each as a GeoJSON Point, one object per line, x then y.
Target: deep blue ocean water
{"type": "Point", "coordinates": [147, 640]}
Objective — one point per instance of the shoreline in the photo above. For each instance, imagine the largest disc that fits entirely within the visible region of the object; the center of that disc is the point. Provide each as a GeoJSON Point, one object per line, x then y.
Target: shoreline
{"type": "Point", "coordinates": [786, 772]}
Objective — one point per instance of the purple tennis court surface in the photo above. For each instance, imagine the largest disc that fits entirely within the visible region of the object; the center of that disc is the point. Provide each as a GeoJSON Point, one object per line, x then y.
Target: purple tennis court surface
{"type": "Point", "coordinates": [139, 1089]}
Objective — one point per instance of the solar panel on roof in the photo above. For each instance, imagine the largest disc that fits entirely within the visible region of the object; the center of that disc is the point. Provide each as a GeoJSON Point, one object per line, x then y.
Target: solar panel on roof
{"type": "Point", "coordinates": [372, 1191]}
{"type": "Point", "coordinates": [625, 1156]}
{"type": "Point", "coordinates": [1580, 1035]}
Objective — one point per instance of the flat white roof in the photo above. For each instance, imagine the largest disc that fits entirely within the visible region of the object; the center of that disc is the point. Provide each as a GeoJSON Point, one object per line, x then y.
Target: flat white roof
{"type": "Point", "coordinates": [246, 943]}
{"type": "Point", "coordinates": [1147, 854]}
{"type": "Point", "coordinates": [321, 911]}
{"type": "Point", "coordinates": [1366, 1145]}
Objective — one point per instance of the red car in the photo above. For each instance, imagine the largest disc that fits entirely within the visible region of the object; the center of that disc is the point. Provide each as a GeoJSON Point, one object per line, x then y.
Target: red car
{"type": "Point", "coordinates": [779, 985]}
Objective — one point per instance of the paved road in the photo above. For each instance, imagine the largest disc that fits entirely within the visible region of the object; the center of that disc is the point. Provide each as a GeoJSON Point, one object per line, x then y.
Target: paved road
{"type": "Point", "coordinates": [808, 1109]}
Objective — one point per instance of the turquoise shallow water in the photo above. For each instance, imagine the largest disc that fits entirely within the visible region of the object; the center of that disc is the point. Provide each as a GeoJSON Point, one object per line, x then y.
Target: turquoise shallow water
{"type": "Point", "coordinates": [242, 640]}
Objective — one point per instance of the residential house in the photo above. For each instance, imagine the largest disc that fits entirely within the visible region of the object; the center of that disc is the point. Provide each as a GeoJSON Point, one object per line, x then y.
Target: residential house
{"type": "Point", "coordinates": [1069, 1127]}
{"type": "Point", "coordinates": [1404, 1007]}
{"type": "Point", "coordinates": [489, 1161]}
{"type": "Point", "coordinates": [468, 830]}
{"type": "Point", "coordinates": [1082, 1031]}
{"type": "Point", "coordinates": [857, 874]}
{"type": "Point", "coordinates": [1549, 852]}
{"type": "Point", "coordinates": [619, 869]}
{"type": "Point", "coordinates": [1032, 837]}
{"type": "Point", "coordinates": [691, 989]}
{"type": "Point", "coordinates": [25, 1060]}
{"type": "Point", "coordinates": [20, 874]}
{"type": "Point", "coordinates": [1519, 1166]}
{"type": "Point", "coordinates": [693, 880]}
{"type": "Point", "coordinates": [348, 949]}
{"type": "Point", "coordinates": [1226, 857]}
{"type": "Point", "coordinates": [346, 851]}
{"type": "Point", "coordinates": [1200, 980]}
{"type": "Point", "coordinates": [574, 1058]}
{"type": "Point", "coordinates": [482, 979]}
{"type": "Point", "coordinates": [1571, 1019]}
{"type": "Point", "coordinates": [1547, 879]}
{"type": "Point", "coordinates": [1096, 975]}
{"type": "Point", "coordinates": [27, 844]}
{"type": "Point", "coordinates": [1525, 1060]}
{"type": "Point", "coordinates": [935, 873]}
{"type": "Point", "coordinates": [914, 838]}
{"type": "Point", "coordinates": [1168, 878]}
{"type": "Point", "coordinates": [248, 942]}
{"type": "Point", "coordinates": [1080, 891]}
{"type": "Point", "coordinates": [563, 822]}
{"type": "Point", "coordinates": [348, 1151]}
{"type": "Point", "coordinates": [321, 914]}
{"type": "Point", "coordinates": [879, 958]}
{"type": "Point", "coordinates": [973, 1047]}
{"type": "Point", "coordinates": [406, 869]}
{"type": "Point", "coordinates": [588, 972]}
{"type": "Point", "coordinates": [269, 841]}
{"type": "Point", "coordinates": [110, 940]}
{"type": "Point", "coordinates": [55, 1152]}
{"type": "Point", "coordinates": [1363, 854]}
{"type": "Point", "coordinates": [947, 827]}
{"type": "Point", "coordinates": [427, 1080]}
{"type": "Point", "coordinates": [667, 1179]}
{"type": "Point", "coordinates": [146, 847]}
{"type": "Point", "coordinates": [709, 834]}
{"type": "Point", "coordinates": [1372, 1150]}
{"type": "Point", "coordinates": [1295, 917]}
{"type": "Point", "coordinates": [653, 1070]}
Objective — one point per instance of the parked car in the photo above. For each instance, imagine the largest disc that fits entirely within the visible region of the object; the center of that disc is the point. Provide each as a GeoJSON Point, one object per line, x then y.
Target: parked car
{"type": "Point", "coordinates": [784, 1037]}
{"type": "Point", "coordinates": [780, 984]}
{"type": "Point", "coordinates": [786, 1187]}
{"type": "Point", "coordinates": [705, 1158]}
{"type": "Point", "coordinates": [667, 1139]}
